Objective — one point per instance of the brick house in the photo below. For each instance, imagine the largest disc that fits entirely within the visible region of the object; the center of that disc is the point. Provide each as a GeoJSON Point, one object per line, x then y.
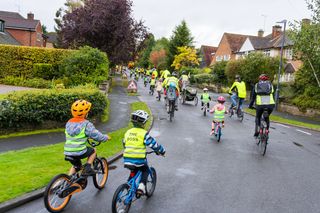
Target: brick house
{"type": "Point", "coordinates": [229, 45]}
{"type": "Point", "coordinates": [26, 31]}
{"type": "Point", "coordinates": [206, 53]}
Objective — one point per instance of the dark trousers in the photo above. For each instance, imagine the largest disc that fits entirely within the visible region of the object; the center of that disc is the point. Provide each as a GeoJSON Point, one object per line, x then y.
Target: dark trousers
{"type": "Point", "coordinates": [144, 169]}
{"type": "Point", "coordinates": [208, 104]}
{"type": "Point", "coordinates": [259, 112]}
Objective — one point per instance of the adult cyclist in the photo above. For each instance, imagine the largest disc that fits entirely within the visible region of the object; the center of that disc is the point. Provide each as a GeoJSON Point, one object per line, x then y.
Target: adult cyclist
{"type": "Point", "coordinates": [263, 96]}
{"type": "Point", "coordinates": [237, 91]}
{"type": "Point", "coordinates": [184, 80]}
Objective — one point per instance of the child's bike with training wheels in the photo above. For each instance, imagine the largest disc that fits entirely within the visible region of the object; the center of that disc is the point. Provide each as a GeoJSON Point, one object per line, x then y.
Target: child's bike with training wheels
{"type": "Point", "coordinates": [218, 130]}
{"type": "Point", "coordinates": [126, 193]}
{"type": "Point", "coordinates": [262, 139]}
{"type": "Point", "coordinates": [61, 188]}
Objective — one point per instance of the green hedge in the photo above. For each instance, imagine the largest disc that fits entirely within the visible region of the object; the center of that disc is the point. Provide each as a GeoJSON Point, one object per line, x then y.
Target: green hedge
{"type": "Point", "coordinates": [21, 81]}
{"type": "Point", "coordinates": [203, 78]}
{"type": "Point", "coordinates": [28, 109]}
{"type": "Point", "coordinates": [19, 61]}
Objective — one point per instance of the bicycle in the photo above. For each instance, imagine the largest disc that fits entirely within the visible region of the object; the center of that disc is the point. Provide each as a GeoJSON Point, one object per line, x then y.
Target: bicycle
{"type": "Point", "coordinates": [263, 133]}
{"type": "Point", "coordinates": [159, 95]}
{"type": "Point", "coordinates": [126, 193]}
{"type": "Point", "coordinates": [238, 110]}
{"type": "Point", "coordinates": [218, 131]}
{"type": "Point", "coordinates": [205, 109]}
{"type": "Point", "coordinates": [151, 89]}
{"type": "Point", "coordinates": [61, 188]}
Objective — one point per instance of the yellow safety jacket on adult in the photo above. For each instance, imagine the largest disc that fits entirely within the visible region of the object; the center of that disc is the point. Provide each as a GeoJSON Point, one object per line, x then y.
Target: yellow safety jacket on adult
{"type": "Point", "coordinates": [241, 89]}
{"type": "Point", "coordinates": [77, 143]}
{"type": "Point", "coordinates": [185, 78]}
{"type": "Point", "coordinates": [168, 80]}
{"type": "Point", "coordinates": [219, 114]}
{"type": "Point", "coordinates": [134, 143]}
{"type": "Point", "coordinates": [264, 99]}
{"type": "Point", "coordinates": [165, 74]}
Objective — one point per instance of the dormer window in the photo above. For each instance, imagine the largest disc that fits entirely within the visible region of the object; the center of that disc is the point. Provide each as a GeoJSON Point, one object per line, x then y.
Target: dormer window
{"type": "Point", "coordinates": [1, 26]}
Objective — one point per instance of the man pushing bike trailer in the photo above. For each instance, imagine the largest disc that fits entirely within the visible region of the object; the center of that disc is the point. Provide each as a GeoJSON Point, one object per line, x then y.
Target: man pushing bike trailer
{"type": "Point", "coordinates": [263, 96]}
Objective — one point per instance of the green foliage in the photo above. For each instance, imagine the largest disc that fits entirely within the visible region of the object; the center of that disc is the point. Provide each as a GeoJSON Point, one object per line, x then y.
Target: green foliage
{"type": "Point", "coordinates": [251, 67]}
{"type": "Point", "coordinates": [160, 50]}
{"type": "Point", "coordinates": [144, 55]}
{"type": "Point", "coordinates": [181, 37]}
{"type": "Point", "coordinates": [306, 38]}
{"type": "Point", "coordinates": [218, 70]}
{"type": "Point", "coordinates": [21, 81]}
{"type": "Point", "coordinates": [27, 109]}
{"type": "Point", "coordinates": [186, 57]}
{"type": "Point", "coordinates": [88, 65]}
{"type": "Point", "coordinates": [46, 71]}
{"type": "Point", "coordinates": [19, 61]}
{"type": "Point", "coordinates": [203, 78]}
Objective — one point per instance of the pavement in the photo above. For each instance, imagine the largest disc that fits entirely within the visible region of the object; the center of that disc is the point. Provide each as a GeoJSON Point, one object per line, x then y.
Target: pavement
{"type": "Point", "coordinates": [199, 174]}
{"type": "Point", "coordinates": [6, 88]}
{"type": "Point", "coordinates": [119, 118]}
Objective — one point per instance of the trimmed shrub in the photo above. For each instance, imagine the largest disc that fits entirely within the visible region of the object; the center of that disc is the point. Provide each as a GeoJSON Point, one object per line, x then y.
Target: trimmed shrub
{"type": "Point", "coordinates": [88, 65]}
{"type": "Point", "coordinates": [203, 78]}
{"type": "Point", "coordinates": [21, 81]}
{"type": "Point", "coordinates": [45, 71]}
{"type": "Point", "coordinates": [28, 109]}
{"type": "Point", "coordinates": [19, 61]}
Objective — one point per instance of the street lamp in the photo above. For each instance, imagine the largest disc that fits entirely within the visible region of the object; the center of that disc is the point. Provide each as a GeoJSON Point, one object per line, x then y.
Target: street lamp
{"type": "Point", "coordinates": [284, 22]}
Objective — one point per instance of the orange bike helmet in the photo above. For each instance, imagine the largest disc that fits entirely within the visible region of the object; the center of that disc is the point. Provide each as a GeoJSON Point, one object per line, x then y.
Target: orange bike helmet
{"type": "Point", "coordinates": [80, 108]}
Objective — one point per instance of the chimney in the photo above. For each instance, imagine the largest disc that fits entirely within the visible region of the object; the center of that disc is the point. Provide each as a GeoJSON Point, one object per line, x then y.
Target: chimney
{"type": "Point", "coordinates": [30, 16]}
{"type": "Point", "coordinates": [276, 31]}
{"type": "Point", "coordinates": [306, 21]}
{"type": "Point", "coordinates": [260, 33]}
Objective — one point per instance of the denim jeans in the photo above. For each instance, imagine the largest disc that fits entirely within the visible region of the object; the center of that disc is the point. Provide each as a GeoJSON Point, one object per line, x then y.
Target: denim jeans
{"type": "Point", "coordinates": [234, 100]}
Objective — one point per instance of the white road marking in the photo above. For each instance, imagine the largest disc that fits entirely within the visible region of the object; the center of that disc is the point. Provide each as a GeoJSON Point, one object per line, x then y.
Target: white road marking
{"type": "Point", "coordinates": [307, 133]}
{"type": "Point", "coordinates": [284, 126]}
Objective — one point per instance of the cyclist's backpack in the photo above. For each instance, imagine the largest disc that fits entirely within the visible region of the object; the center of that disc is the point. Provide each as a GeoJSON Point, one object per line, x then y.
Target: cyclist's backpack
{"type": "Point", "coordinates": [171, 93]}
{"type": "Point", "coordinates": [264, 88]}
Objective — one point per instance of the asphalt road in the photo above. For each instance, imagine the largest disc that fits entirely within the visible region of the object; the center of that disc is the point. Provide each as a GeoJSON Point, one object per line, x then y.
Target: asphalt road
{"type": "Point", "coordinates": [200, 175]}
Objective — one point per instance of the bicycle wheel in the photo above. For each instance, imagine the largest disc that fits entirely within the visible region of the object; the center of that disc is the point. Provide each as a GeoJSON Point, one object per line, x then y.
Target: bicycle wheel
{"type": "Point", "coordinates": [119, 198]}
{"type": "Point", "coordinates": [196, 101]}
{"type": "Point", "coordinates": [230, 113]}
{"type": "Point", "coordinates": [241, 115]}
{"type": "Point", "coordinates": [219, 134]}
{"type": "Point", "coordinates": [52, 197]}
{"type": "Point", "coordinates": [263, 144]}
{"type": "Point", "coordinates": [102, 172]}
{"type": "Point", "coordinates": [151, 182]}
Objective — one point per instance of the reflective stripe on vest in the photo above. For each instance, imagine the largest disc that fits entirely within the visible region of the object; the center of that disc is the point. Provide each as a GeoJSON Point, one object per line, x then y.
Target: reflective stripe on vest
{"type": "Point", "coordinates": [205, 97]}
{"type": "Point", "coordinates": [219, 114]}
{"type": "Point", "coordinates": [264, 99]}
{"type": "Point", "coordinates": [76, 143]}
{"type": "Point", "coordinates": [134, 143]}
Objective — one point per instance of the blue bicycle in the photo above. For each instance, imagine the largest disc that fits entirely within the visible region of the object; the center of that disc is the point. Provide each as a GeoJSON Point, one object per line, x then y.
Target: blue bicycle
{"type": "Point", "coordinates": [127, 192]}
{"type": "Point", "coordinates": [218, 131]}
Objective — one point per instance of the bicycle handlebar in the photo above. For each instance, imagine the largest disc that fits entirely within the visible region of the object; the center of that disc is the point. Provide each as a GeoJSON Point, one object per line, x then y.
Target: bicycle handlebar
{"type": "Point", "coordinates": [93, 143]}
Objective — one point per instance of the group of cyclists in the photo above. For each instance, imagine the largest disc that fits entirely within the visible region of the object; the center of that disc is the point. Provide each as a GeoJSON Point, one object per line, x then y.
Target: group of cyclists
{"type": "Point", "coordinates": [79, 129]}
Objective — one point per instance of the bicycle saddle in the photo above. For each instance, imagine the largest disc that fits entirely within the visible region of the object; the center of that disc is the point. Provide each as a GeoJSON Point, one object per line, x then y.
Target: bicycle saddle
{"type": "Point", "coordinates": [69, 158]}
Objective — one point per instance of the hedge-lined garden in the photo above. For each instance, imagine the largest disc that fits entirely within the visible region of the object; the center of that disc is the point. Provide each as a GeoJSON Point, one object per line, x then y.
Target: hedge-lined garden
{"type": "Point", "coordinates": [28, 110]}
{"type": "Point", "coordinates": [46, 68]}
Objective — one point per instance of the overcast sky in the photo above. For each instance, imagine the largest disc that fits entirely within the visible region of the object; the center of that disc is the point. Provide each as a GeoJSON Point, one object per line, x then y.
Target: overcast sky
{"type": "Point", "coordinates": [207, 19]}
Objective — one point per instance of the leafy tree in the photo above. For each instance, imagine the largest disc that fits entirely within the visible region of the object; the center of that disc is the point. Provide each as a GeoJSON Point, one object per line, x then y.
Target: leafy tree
{"type": "Point", "coordinates": [158, 59]}
{"type": "Point", "coordinates": [306, 38]}
{"type": "Point", "coordinates": [144, 54]}
{"type": "Point", "coordinates": [107, 25]}
{"type": "Point", "coordinates": [218, 71]}
{"type": "Point", "coordinates": [186, 57]}
{"type": "Point", "coordinates": [44, 29]}
{"type": "Point", "coordinates": [181, 37]}
{"type": "Point", "coordinates": [251, 67]}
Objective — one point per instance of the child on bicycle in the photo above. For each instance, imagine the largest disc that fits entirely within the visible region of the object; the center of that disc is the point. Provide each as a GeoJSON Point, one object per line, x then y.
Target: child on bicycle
{"type": "Point", "coordinates": [219, 111]}
{"type": "Point", "coordinates": [78, 131]}
{"type": "Point", "coordinates": [205, 98]}
{"type": "Point", "coordinates": [152, 83]}
{"type": "Point", "coordinates": [135, 141]}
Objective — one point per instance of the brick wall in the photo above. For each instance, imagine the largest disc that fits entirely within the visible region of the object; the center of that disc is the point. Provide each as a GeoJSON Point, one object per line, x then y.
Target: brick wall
{"type": "Point", "coordinates": [27, 38]}
{"type": "Point", "coordinates": [223, 49]}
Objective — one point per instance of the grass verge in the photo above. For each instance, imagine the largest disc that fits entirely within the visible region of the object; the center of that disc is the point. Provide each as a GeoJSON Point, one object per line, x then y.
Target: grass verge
{"type": "Point", "coordinates": [18, 134]}
{"type": "Point", "coordinates": [279, 119]}
{"type": "Point", "coordinates": [3, 96]}
{"type": "Point", "coordinates": [30, 169]}
{"type": "Point", "coordinates": [106, 113]}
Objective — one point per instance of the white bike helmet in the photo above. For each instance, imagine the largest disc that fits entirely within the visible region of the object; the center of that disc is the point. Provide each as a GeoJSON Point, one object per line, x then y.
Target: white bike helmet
{"type": "Point", "coordinates": [139, 116]}
{"type": "Point", "coordinates": [205, 89]}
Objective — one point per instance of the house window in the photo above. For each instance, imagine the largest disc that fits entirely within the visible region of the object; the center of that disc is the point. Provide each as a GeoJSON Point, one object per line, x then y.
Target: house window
{"type": "Point", "coordinates": [1, 26]}
{"type": "Point", "coordinates": [288, 54]}
{"type": "Point", "coordinates": [226, 57]}
{"type": "Point", "coordinates": [219, 58]}
{"type": "Point", "coordinates": [267, 52]}
{"type": "Point", "coordinates": [39, 36]}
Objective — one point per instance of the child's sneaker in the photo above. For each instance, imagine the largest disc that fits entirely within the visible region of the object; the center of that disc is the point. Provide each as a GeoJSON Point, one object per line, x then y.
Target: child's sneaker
{"type": "Point", "coordinates": [141, 189]}
{"type": "Point", "coordinates": [87, 170]}
{"type": "Point", "coordinates": [212, 132]}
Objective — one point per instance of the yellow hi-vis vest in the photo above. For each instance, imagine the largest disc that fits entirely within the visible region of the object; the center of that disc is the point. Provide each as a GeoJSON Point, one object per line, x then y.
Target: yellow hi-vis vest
{"type": "Point", "coordinates": [134, 143]}
{"type": "Point", "coordinates": [219, 114]}
{"type": "Point", "coordinates": [76, 143]}
{"type": "Point", "coordinates": [264, 99]}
